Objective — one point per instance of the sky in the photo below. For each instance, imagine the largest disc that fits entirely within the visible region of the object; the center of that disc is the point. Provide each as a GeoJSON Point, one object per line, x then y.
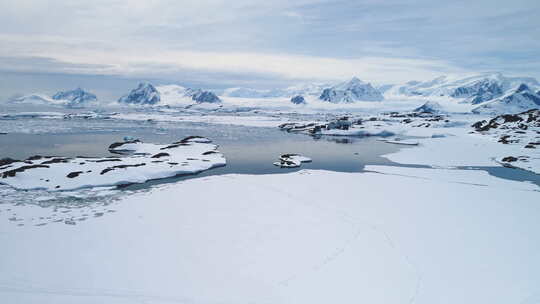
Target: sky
{"type": "Point", "coordinates": [254, 43]}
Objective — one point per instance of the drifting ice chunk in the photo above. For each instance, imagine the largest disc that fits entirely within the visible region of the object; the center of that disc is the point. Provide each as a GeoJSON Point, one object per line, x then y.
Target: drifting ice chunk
{"type": "Point", "coordinates": [291, 161]}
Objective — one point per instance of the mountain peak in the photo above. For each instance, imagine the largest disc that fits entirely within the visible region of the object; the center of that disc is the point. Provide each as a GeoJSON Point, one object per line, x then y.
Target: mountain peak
{"type": "Point", "coordinates": [355, 81]}
{"type": "Point", "coordinates": [145, 93]}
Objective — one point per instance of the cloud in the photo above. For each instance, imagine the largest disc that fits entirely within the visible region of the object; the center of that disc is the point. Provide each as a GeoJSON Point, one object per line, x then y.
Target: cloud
{"type": "Point", "coordinates": [381, 41]}
{"type": "Point", "coordinates": [157, 62]}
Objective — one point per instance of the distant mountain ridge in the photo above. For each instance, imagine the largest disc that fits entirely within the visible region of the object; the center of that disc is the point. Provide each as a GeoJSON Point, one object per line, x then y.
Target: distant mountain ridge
{"type": "Point", "coordinates": [344, 92]}
{"type": "Point", "coordinates": [71, 98]}
{"type": "Point", "coordinates": [472, 89]}
{"type": "Point", "coordinates": [313, 89]}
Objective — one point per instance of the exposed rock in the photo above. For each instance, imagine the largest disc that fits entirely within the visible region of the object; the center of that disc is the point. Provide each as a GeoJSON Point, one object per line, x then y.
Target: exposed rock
{"type": "Point", "coordinates": [74, 174]}
{"type": "Point", "coordinates": [509, 159]}
{"type": "Point", "coordinates": [116, 145]}
{"type": "Point", "coordinates": [12, 173]}
{"type": "Point", "coordinates": [120, 167]}
{"type": "Point", "coordinates": [162, 154]}
{"type": "Point", "coordinates": [524, 120]}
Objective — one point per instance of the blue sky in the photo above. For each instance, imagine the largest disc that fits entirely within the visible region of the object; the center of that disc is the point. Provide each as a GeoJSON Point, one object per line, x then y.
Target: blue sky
{"type": "Point", "coordinates": [271, 43]}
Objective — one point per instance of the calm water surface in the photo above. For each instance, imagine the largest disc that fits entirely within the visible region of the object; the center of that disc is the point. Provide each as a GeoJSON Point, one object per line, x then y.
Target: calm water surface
{"type": "Point", "coordinates": [247, 150]}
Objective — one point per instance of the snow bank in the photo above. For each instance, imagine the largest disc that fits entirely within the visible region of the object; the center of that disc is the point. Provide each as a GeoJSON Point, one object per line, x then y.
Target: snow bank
{"type": "Point", "coordinates": [405, 236]}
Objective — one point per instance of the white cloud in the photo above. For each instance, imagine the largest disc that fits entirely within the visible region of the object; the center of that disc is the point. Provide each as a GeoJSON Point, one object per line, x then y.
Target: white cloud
{"type": "Point", "coordinates": [152, 60]}
{"type": "Point", "coordinates": [381, 41]}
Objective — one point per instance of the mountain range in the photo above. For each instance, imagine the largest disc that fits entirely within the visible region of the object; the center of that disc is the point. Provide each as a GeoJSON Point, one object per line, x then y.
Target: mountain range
{"type": "Point", "coordinates": [71, 98]}
{"type": "Point", "coordinates": [472, 89]}
{"type": "Point", "coordinates": [488, 92]}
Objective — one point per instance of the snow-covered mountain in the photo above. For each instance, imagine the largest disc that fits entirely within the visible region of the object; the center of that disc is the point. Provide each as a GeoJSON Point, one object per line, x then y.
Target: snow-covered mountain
{"type": "Point", "coordinates": [351, 91]}
{"type": "Point", "coordinates": [75, 97]}
{"type": "Point", "coordinates": [35, 99]}
{"type": "Point", "coordinates": [201, 96]}
{"type": "Point", "coordinates": [516, 101]}
{"type": "Point", "coordinates": [70, 98]}
{"type": "Point", "coordinates": [144, 94]}
{"type": "Point", "coordinates": [473, 89]}
{"type": "Point", "coordinates": [175, 95]}
{"type": "Point", "coordinates": [172, 95]}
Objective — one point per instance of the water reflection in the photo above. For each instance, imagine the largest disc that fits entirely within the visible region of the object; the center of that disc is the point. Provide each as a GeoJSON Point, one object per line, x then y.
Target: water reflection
{"type": "Point", "coordinates": [335, 139]}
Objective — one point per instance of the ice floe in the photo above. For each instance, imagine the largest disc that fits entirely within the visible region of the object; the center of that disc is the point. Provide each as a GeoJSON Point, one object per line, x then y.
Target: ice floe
{"type": "Point", "coordinates": [143, 162]}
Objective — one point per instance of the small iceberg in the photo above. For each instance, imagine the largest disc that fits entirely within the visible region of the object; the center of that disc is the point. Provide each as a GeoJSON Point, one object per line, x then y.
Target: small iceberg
{"type": "Point", "coordinates": [291, 160]}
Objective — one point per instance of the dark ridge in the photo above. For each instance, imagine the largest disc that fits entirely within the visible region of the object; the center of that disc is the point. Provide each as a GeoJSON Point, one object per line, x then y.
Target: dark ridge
{"type": "Point", "coordinates": [162, 154]}
{"type": "Point", "coordinates": [7, 161]}
{"type": "Point", "coordinates": [12, 173]}
{"type": "Point", "coordinates": [55, 161]}
{"type": "Point", "coordinates": [185, 140]}
{"type": "Point", "coordinates": [120, 167]}
{"type": "Point", "coordinates": [210, 152]}
{"type": "Point", "coordinates": [119, 144]}
{"type": "Point", "coordinates": [74, 174]}
{"type": "Point", "coordinates": [108, 160]}
{"type": "Point", "coordinates": [175, 145]}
